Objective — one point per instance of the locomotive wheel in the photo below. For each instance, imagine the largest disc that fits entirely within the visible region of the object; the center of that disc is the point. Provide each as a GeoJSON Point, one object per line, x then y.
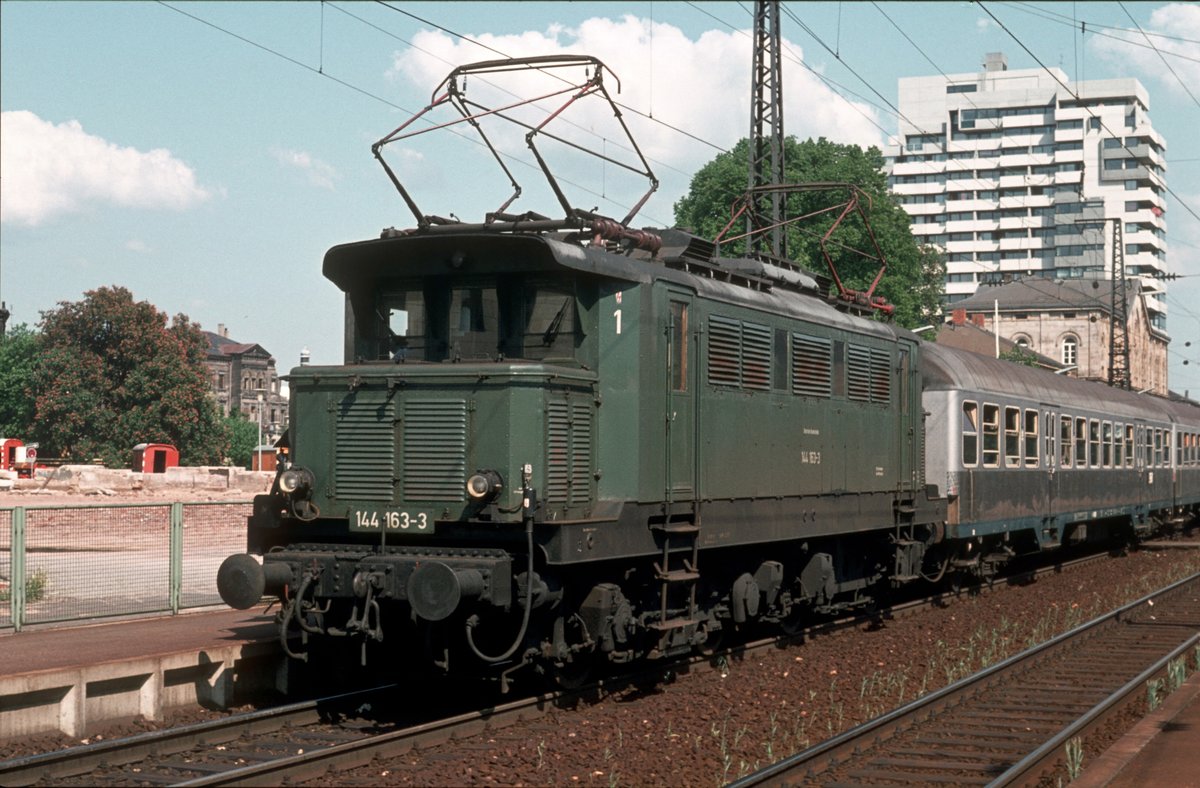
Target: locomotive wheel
{"type": "Point", "coordinates": [576, 673]}
{"type": "Point", "coordinates": [794, 622]}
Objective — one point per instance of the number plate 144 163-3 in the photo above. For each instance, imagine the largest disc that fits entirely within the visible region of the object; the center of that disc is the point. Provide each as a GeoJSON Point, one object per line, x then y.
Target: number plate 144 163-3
{"type": "Point", "coordinates": [390, 520]}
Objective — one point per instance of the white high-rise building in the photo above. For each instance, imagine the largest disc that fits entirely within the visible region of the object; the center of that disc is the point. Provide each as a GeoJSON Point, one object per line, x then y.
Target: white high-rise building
{"type": "Point", "coordinates": [1013, 174]}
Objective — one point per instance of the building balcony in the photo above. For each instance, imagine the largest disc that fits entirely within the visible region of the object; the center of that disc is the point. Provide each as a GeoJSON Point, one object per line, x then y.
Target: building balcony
{"type": "Point", "coordinates": [1019, 222]}
{"type": "Point", "coordinates": [924, 208]}
{"type": "Point", "coordinates": [913, 167]}
{"type": "Point", "coordinates": [1021, 160]}
{"type": "Point", "coordinates": [1068, 178]}
{"type": "Point", "coordinates": [918, 188]}
{"type": "Point", "coordinates": [966, 183]}
{"type": "Point", "coordinates": [1012, 244]}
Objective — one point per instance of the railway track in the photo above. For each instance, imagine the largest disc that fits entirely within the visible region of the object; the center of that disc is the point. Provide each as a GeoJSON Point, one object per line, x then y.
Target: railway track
{"type": "Point", "coordinates": [1020, 719]}
{"type": "Point", "coordinates": [305, 740]}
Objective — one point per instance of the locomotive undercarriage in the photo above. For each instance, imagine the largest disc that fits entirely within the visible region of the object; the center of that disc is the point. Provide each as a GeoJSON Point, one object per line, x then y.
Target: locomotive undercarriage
{"type": "Point", "coordinates": [464, 606]}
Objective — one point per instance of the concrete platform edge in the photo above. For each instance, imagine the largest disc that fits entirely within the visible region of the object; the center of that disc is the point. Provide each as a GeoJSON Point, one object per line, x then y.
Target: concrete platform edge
{"type": "Point", "coordinates": [70, 699]}
{"type": "Point", "coordinates": [1108, 766]}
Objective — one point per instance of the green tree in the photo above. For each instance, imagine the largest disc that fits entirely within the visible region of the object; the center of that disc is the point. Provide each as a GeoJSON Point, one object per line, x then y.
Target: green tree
{"type": "Point", "coordinates": [113, 374]}
{"type": "Point", "coordinates": [18, 356]}
{"type": "Point", "coordinates": [914, 279]}
{"type": "Point", "coordinates": [243, 438]}
{"type": "Point", "coordinates": [1019, 355]}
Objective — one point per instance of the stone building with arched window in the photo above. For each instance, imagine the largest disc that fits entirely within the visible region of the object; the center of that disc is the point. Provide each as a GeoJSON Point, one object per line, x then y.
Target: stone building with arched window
{"type": "Point", "coordinates": [241, 373]}
{"type": "Point", "coordinates": [1068, 320]}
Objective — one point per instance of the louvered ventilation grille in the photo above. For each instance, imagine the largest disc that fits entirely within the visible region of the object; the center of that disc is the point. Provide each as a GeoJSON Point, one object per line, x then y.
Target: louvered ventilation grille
{"type": "Point", "coordinates": [581, 453]}
{"type": "Point", "coordinates": [568, 453]}
{"type": "Point", "coordinates": [812, 363]}
{"type": "Point", "coordinates": [756, 356]}
{"type": "Point", "coordinates": [724, 343]}
{"type": "Point", "coordinates": [435, 450]}
{"type": "Point", "coordinates": [365, 453]}
{"type": "Point", "coordinates": [868, 374]}
{"type": "Point", "coordinates": [858, 373]}
{"type": "Point", "coordinates": [558, 452]}
{"type": "Point", "coordinates": [881, 376]}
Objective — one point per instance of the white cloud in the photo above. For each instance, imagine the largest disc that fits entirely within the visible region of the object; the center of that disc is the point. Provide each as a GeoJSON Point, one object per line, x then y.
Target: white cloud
{"type": "Point", "coordinates": [1134, 54]}
{"type": "Point", "coordinates": [51, 170]}
{"type": "Point", "coordinates": [318, 172]}
{"type": "Point", "coordinates": [137, 245]}
{"type": "Point", "coordinates": [701, 86]}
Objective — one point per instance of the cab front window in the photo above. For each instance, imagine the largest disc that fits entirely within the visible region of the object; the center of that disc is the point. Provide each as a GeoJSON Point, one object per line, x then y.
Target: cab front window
{"type": "Point", "coordinates": [507, 317]}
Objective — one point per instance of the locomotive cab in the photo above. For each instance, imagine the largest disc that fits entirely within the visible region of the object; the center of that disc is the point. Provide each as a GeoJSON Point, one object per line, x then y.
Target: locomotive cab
{"type": "Point", "coordinates": [465, 409]}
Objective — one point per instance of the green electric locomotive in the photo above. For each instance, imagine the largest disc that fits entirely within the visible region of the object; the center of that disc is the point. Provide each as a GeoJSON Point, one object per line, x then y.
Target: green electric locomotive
{"type": "Point", "coordinates": [547, 450]}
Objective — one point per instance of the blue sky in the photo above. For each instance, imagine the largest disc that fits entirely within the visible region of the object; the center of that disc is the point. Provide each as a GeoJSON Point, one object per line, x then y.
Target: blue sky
{"type": "Point", "coordinates": [205, 155]}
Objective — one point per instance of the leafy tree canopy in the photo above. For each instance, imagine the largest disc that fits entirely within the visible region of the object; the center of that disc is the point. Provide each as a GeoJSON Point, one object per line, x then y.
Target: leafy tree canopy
{"type": "Point", "coordinates": [914, 279]}
{"type": "Point", "coordinates": [243, 438]}
{"type": "Point", "coordinates": [18, 355]}
{"type": "Point", "coordinates": [113, 373]}
{"type": "Point", "coordinates": [1019, 355]}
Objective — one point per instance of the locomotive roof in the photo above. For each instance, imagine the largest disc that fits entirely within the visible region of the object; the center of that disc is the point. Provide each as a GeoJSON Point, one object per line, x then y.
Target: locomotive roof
{"type": "Point", "coordinates": [950, 369]}
{"type": "Point", "coordinates": [354, 264]}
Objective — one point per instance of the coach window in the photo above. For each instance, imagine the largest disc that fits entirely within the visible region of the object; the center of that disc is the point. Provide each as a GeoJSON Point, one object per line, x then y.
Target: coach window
{"type": "Point", "coordinates": [679, 357]}
{"type": "Point", "coordinates": [1080, 443]}
{"type": "Point", "coordinates": [1129, 446]}
{"type": "Point", "coordinates": [1118, 446]}
{"type": "Point", "coordinates": [1048, 436]}
{"type": "Point", "coordinates": [970, 434]}
{"type": "Point", "coordinates": [1031, 438]}
{"type": "Point", "coordinates": [991, 436]}
{"type": "Point", "coordinates": [1012, 437]}
{"type": "Point", "coordinates": [1166, 449]}
{"type": "Point", "coordinates": [1106, 439]}
{"type": "Point", "coordinates": [1156, 458]}
{"type": "Point", "coordinates": [1094, 440]}
{"type": "Point", "coordinates": [1064, 441]}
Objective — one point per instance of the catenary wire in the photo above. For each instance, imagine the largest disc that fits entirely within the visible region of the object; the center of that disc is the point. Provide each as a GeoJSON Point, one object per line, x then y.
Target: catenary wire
{"type": "Point", "coordinates": [1158, 52]}
{"type": "Point", "coordinates": [376, 97]}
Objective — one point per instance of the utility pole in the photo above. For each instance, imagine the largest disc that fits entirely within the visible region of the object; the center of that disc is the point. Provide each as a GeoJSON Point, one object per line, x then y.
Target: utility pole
{"type": "Point", "coordinates": [1118, 327]}
{"type": "Point", "coordinates": [1118, 319]}
{"type": "Point", "coordinates": [766, 130]}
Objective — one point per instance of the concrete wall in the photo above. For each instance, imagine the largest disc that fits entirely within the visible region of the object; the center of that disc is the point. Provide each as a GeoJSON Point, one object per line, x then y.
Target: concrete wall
{"type": "Point", "coordinates": [94, 478]}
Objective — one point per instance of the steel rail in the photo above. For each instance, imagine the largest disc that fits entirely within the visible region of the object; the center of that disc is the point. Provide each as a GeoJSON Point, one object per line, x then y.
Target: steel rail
{"type": "Point", "coordinates": [803, 766]}
{"type": "Point", "coordinates": [85, 758]}
{"type": "Point", "coordinates": [140, 747]}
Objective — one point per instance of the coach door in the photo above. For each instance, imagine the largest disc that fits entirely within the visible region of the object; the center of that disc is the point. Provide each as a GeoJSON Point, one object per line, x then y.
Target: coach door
{"type": "Point", "coordinates": [1142, 441]}
{"type": "Point", "coordinates": [681, 459]}
{"type": "Point", "coordinates": [1050, 454]}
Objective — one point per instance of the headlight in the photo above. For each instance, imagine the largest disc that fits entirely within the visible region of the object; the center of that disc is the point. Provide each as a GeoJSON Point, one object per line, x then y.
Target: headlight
{"type": "Point", "coordinates": [295, 480]}
{"type": "Point", "coordinates": [483, 486]}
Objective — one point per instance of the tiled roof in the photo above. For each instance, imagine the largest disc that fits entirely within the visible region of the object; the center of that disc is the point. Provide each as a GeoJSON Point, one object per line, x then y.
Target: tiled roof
{"type": "Point", "coordinates": [971, 337]}
{"type": "Point", "coordinates": [1044, 295]}
{"type": "Point", "coordinates": [224, 346]}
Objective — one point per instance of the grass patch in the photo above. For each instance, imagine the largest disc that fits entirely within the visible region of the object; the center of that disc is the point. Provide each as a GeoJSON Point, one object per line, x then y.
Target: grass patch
{"type": "Point", "coordinates": [35, 588]}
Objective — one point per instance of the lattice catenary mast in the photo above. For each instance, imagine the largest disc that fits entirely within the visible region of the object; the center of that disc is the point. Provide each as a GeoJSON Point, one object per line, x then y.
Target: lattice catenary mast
{"type": "Point", "coordinates": [766, 130]}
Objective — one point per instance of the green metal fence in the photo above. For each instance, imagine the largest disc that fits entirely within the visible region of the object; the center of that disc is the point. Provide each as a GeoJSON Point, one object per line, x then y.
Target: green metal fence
{"type": "Point", "coordinates": [67, 563]}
